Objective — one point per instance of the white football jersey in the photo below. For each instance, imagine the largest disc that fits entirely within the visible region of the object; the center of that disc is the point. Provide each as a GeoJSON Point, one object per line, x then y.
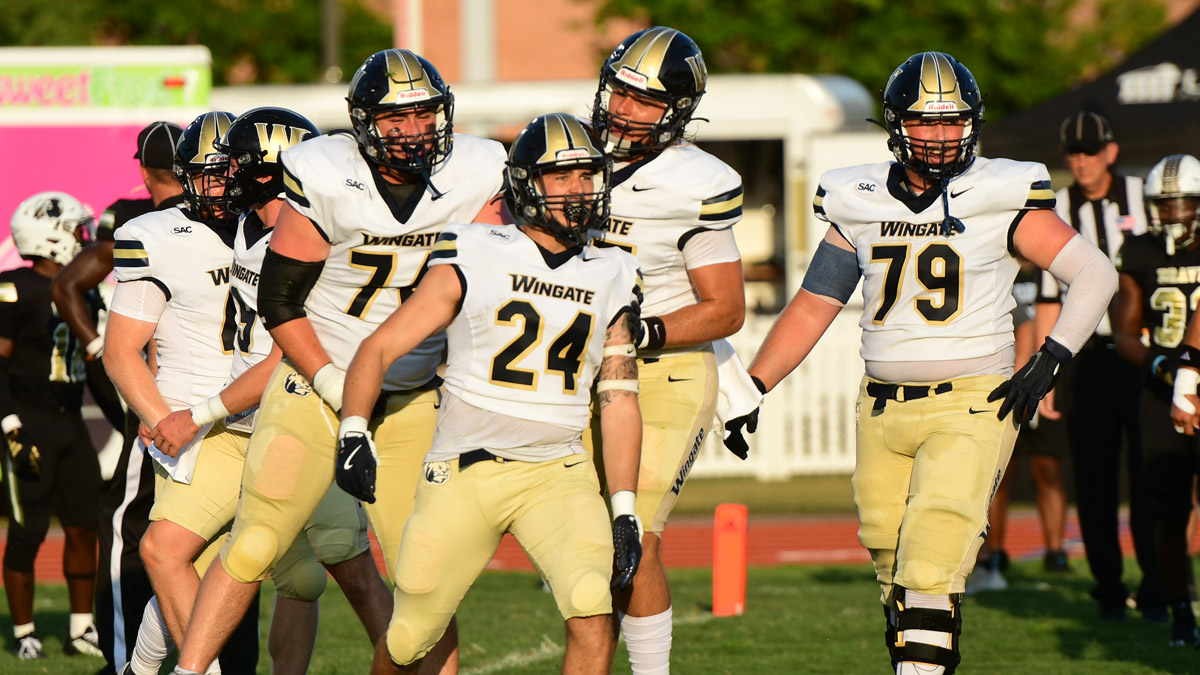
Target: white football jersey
{"type": "Point", "coordinates": [657, 206]}
{"type": "Point", "coordinates": [528, 338]}
{"type": "Point", "coordinates": [190, 263]}
{"type": "Point", "coordinates": [252, 342]}
{"type": "Point", "coordinates": [379, 249]}
{"type": "Point", "coordinates": [928, 296]}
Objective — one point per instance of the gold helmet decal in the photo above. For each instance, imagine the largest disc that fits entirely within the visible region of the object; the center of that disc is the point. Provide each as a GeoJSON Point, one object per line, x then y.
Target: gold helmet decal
{"type": "Point", "coordinates": [638, 67]}
{"type": "Point", "coordinates": [1170, 176]}
{"type": "Point", "coordinates": [566, 140]}
{"type": "Point", "coordinates": [275, 138]}
{"type": "Point", "coordinates": [939, 92]}
{"type": "Point", "coordinates": [407, 79]}
{"type": "Point", "coordinates": [211, 130]}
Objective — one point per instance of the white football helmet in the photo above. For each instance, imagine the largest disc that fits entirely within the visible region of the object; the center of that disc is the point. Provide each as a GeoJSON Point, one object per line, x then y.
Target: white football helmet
{"type": "Point", "coordinates": [1172, 192]}
{"type": "Point", "coordinates": [50, 225]}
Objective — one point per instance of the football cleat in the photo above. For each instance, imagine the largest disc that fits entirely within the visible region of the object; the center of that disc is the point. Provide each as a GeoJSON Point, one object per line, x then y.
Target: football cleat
{"type": "Point", "coordinates": [29, 648]}
{"type": "Point", "coordinates": [86, 643]}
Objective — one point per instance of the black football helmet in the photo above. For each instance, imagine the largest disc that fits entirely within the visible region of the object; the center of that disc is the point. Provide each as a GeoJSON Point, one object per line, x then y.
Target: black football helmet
{"type": "Point", "coordinates": [399, 80]}
{"type": "Point", "coordinates": [253, 143]}
{"type": "Point", "coordinates": [659, 63]}
{"type": "Point", "coordinates": [199, 165]}
{"type": "Point", "coordinates": [550, 143]}
{"type": "Point", "coordinates": [932, 86]}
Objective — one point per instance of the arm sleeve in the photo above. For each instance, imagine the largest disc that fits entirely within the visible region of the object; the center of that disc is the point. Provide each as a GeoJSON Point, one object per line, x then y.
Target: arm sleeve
{"type": "Point", "coordinates": [710, 247]}
{"type": "Point", "coordinates": [140, 299]}
{"type": "Point", "coordinates": [1093, 281]}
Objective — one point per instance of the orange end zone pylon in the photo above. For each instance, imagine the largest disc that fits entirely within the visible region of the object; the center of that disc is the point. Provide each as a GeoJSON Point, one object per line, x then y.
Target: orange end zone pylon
{"type": "Point", "coordinates": [730, 550]}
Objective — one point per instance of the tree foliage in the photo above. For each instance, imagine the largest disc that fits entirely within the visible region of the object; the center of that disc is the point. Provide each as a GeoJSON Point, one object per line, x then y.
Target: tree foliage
{"type": "Point", "coordinates": [1021, 51]}
{"type": "Point", "coordinates": [261, 41]}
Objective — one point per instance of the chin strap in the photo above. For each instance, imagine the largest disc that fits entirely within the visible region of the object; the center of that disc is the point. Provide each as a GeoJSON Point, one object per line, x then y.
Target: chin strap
{"type": "Point", "coordinates": [950, 224]}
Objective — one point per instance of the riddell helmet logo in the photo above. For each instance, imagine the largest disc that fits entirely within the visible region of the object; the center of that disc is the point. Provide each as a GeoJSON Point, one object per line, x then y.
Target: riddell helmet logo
{"type": "Point", "coordinates": [414, 95]}
{"type": "Point", "coordinates": [629, 76]}
{"type": "Point", "coordinates": [572, 153]}
{"type": "Point", "coordinates": [940, 106]}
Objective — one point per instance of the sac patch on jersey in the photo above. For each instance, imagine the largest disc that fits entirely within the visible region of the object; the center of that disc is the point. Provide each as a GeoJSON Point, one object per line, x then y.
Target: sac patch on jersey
{"type": "Point", "coordinates": [528, 339]}
{"type": "Point", "coordinates": [193, 337]}
{"type": "Point", "coordinates": [658, 206]}
{"type": "Point", "coordinates": [927, 295]}
{"type": "Point", "coordinates": [378, 250]}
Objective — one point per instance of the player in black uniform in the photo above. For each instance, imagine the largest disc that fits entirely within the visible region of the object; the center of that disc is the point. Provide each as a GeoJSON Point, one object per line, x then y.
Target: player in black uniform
{"type": "Point", "coordinates": [41, 399]}
{"type": "Point", "coordinates": [1159, 288]}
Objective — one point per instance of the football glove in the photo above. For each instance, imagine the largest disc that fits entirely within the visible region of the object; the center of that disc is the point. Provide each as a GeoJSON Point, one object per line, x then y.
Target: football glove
{"type": "Point", "coordinates": [356, 462]}
{"type": "Point", "coordinates": [734, 440]}
{"type": "Point", "coordinates": [26, 460]}
{"type": "Point", "coordinates": [1022, 393]}
{"type": "Point", "coordinates": [627, 550]}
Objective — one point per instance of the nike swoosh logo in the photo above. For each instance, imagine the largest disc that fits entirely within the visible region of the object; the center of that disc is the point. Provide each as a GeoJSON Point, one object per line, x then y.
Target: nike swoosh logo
{"type": "Point", "coordinates": [955, 194]}
{"type": "Point", "coordinates": [977, 412]}
{"type": "Point", "coordinates": [349, 459]}
{"type": "Point", "coordinates": [575, 464]}
{"type": "Point", "coordinates": [678, 379]}
{"type": "Point", "coordinates": [638, 189]}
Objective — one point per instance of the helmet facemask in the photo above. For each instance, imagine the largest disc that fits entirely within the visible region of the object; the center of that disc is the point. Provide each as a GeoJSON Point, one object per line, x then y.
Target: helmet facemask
{"type": "Point", "coordinates": [615, 131]}
{"type": "Point", "coordinates": [915, 154]}
{"type": "Point", "coordinates": [416, 154]}
{"type": "Point", "coordinates": [582, 211]}
{"type": "Point", "coordinates": [1175, 220]}
{"type": "Point", "coordinates": [204, 188]}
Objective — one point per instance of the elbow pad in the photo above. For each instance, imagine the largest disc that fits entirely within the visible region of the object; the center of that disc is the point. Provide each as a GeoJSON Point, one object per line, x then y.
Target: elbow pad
{"type": "Point", "coordinates": [284, 286]}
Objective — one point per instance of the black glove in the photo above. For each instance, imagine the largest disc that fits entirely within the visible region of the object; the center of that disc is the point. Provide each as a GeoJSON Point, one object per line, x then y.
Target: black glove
{"type": "Point", "coordinates": [627, 551]}
{"type": "Point", "coordinates": [1162, 368]}
{"type": "Point", "coordinates": [26, 460]}
{"type": "Point", "coordinates": [355, 469]}
{"type": "Point", "coordinates": [1022, 393]}
{"type": "Point", "coordinates": [734, 440]}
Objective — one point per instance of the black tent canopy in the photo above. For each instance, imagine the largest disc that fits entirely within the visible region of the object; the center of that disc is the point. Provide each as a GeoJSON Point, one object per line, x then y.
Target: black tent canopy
{"type": "Point", "coordinates": [1152, 101]}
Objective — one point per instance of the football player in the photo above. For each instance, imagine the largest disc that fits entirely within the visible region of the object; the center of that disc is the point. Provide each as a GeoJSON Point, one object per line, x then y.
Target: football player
{"type": "Point", "coordinates": [172, 271]}
{"type": "Point", "coordinates": [1157, 282]}
{"type": "Point", "coordinates": [533, 317]}
{"type": "Point", "coordinates": [936, 242]}
{"type": "Point", "coordinates": [673, 207]}
{"type": "Point", "coordinates": [50, 462]}
{"type": "Point", "coordinates": [121, 582]}
{"type": "Point", "coordinates": [349, 246]}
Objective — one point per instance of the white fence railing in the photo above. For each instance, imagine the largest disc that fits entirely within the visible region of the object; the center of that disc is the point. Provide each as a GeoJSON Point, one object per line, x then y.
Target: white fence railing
{"type": "Point", "coordinates": [806, 425]}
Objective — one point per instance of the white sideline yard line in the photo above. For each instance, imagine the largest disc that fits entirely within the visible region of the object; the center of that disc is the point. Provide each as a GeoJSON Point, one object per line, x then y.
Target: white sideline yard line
{"type": "Point", "coordinates": [548, 649]}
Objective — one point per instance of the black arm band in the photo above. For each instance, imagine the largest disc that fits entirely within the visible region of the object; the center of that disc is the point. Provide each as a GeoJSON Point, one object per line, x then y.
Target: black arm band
{"type": "Point", "coordinates": [656, 332]}
{"type": "Point", "coordinates": [284, 286]}
{"type": "Point", "coordinates": [6, 400]}
{"type": "Point", "coordinates": [1189, 356]}
{"type": "Point", "coordinates": [832, 273]}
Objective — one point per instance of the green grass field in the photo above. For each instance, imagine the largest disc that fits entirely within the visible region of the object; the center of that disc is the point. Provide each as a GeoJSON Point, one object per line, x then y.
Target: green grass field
{"type": "Point", "coordinates": [819, 619]}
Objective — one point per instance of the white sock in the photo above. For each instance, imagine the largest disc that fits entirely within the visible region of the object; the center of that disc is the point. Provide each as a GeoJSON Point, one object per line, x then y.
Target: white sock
{"type": "Point", "coordinates": [79, 623]}
{"type": "Point", "coordinates": [929, 637]}
{"type": "Point", "coordinates": [648, 640]}
{"type": "Point", "coordinates": [23, 630]}
{"type": "Point", "coordinates": [214, 668]}
{"type": "Point", "coordinates": [153, 642]}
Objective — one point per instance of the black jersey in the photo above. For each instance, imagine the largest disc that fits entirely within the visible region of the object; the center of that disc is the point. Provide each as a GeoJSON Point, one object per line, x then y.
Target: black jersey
{"type": "Point", "coordinates": [119, 213]}
{"type": "Point", "coordinates": [46, 367]}
{"type": "Point", "coordinates": [1170, 288]}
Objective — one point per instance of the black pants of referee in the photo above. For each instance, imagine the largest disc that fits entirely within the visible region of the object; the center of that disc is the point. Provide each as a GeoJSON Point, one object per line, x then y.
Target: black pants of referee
{"type": "Point", "coordinates": [1102, 418]}
{"type": "Point", "coordinates": [122, 586]}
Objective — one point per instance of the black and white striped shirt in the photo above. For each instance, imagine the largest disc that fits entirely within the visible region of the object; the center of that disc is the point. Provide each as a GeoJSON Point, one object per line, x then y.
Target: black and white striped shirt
{"type": "Point", "coordinates": [1104, 222]}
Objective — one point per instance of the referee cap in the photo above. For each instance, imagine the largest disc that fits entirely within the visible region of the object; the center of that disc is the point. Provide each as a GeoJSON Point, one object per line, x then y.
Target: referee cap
{"type": "Point", "coordinates": [156, 144]}
{"type": "Point", "coordinates": [1086, 132]}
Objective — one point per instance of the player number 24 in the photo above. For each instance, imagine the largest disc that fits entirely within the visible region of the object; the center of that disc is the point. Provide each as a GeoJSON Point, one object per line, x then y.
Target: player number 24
{"type": "Point", "coordinates": [564, 356]}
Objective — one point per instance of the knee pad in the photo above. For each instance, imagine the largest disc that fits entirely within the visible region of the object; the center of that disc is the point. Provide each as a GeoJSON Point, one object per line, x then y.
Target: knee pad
{"type": "Point", "coordinates": [588, 596]}
{"type": "Point", "coordinates": [336, 545]}
{"type": "Point", "coordinates": [901, 617]}
{"type": "Point", "coordinates": [25, 540]}
{"type": "Point", "coordinates": [250, 554]}
{"type": "Point", "coordinates": [403, 646]}
{"type": "Point", "coordinates": [304, 580]}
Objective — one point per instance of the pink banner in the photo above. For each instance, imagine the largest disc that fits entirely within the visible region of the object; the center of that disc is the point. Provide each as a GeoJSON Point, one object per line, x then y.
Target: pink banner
{"type": "Point", "coordinates": [95, 164]}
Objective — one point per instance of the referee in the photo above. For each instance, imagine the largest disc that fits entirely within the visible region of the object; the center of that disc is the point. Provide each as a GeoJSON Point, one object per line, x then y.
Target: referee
{"type": "Point", "coordinates": [1098, 393]}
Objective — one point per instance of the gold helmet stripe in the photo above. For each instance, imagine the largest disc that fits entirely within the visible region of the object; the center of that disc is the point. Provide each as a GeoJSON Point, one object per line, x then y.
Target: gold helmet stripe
{"type": "Point", "coordinates": [212, 128]}
{"type": "Point", "coordinates": [644, 57]}
{"type": "Point", "coordinates": [564, 132]}
{"type": "Point", "coordinates": [407, 79]}
{"type": "Point", "coordinates": [1170, 177]}
{"type": "Point", "coordinates": [275, 138]}
{"type": "Point", "coordinates": [939, 87]}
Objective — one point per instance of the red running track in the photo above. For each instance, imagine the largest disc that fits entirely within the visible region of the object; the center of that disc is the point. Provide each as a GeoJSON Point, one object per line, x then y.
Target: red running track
{"type": "Point", "coordinates": [773, 540]}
